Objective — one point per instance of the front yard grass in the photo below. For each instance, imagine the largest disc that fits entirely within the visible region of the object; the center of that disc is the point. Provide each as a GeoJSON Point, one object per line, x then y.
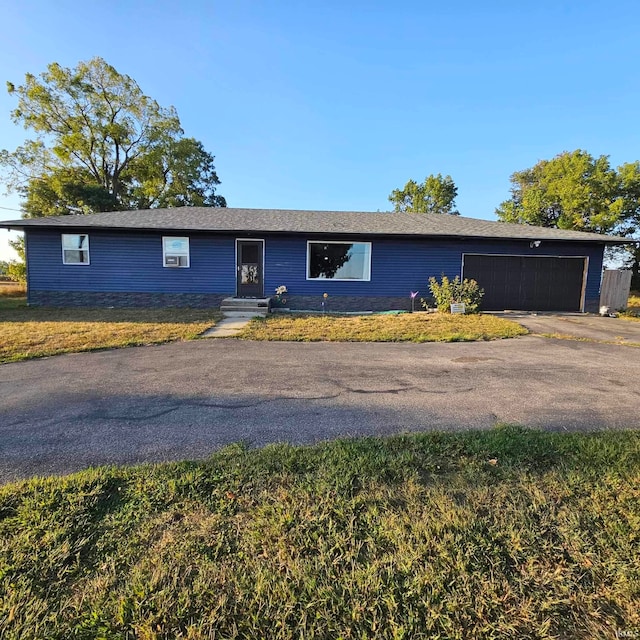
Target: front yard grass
{"type": "Point", "coordinates": [405, 327]}
{"type": "Point", "coordinates": [508, 533]}
{"type": "Point", "coordinates": [32, 332]}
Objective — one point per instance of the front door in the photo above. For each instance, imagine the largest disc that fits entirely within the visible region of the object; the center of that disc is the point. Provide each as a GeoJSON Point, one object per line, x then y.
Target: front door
{"type": "Point", "coordinates": [249, 274]}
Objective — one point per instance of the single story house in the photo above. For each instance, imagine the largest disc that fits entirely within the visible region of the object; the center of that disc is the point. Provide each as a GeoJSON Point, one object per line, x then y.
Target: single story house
{"type": "Point", "coordinates": [198, 256]}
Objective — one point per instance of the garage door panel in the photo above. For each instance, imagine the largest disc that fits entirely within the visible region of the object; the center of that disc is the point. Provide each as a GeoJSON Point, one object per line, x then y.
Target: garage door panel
{"type": "Point", "coordinates": [536, 283]}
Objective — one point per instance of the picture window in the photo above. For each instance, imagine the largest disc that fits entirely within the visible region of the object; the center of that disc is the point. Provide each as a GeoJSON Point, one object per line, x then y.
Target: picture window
{"type": "Point", "coordinates": [338, 260]}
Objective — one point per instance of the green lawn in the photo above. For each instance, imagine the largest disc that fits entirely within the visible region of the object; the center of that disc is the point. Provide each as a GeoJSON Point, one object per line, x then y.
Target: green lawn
{"type": "Point", "coordinates": [32, 332]}
{"type": "Point", "coordinates": [405, 327]}
{"type": "Point", "coordinates": [508, 533]}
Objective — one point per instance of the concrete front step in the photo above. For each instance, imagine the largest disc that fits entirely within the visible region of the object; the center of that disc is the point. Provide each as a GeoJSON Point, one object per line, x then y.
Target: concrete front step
{"type": "Point", "coordinates": [247, 302]}
{"type": "Point", "coordinates": [231, 305]}
{"type": "Point", "coordinates": [245, 314]}
{"type": "Point", "coordinates": [245, 307]}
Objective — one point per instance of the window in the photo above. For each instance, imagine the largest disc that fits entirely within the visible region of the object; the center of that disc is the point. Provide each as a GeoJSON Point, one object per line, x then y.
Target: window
{"type": "Point", "coordinates": [75, 248]}
{"type": "Point", "coordinates": [175, 252]}
{"type": "Point", "coordinates": [338, 261]}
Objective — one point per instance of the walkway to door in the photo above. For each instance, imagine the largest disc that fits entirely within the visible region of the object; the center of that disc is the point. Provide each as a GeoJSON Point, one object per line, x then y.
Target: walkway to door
{"type": "Point", "coordinates": [227, 328]}
{"type": "Point", "coordinates": [237, 312]}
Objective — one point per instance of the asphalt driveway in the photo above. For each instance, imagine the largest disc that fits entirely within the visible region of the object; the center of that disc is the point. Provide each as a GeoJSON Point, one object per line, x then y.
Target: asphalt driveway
{"type": "Point", "coordinates": [582, 327]}
{"type": "Point", "coordinates": [184, 400]}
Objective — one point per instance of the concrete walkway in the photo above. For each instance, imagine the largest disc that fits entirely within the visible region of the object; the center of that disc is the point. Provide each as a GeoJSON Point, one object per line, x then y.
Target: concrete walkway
{"type": "Point", "coordinates": [232, 323]}
{"type": "Point", "coordinates": [228, 327]}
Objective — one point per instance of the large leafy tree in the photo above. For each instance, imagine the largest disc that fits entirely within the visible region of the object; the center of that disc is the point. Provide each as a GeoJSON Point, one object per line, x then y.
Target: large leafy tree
{"type": "Point", "coordinates": [436, 195]}
{"type": "Point", "coordinates": [575, 190]}
{"type": "Point", "coordinates": [101, 144]}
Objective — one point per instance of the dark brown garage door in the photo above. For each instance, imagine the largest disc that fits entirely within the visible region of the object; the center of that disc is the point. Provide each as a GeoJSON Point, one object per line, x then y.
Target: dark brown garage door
{"type": "Point", "coordinates": [527, 282]}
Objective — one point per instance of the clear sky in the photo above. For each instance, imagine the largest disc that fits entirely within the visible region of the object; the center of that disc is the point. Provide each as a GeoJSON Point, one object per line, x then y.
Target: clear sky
{"type": "Point", "coordinates": [327, 104]}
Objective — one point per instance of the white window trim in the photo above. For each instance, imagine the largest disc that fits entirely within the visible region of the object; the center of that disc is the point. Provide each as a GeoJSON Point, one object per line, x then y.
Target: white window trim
{"type": "Point", "coordinates": [179, 254]}
{"type": "Point", "coordinates": [310, 242]}
{"type": "Point", "coordinates": [75, 264]}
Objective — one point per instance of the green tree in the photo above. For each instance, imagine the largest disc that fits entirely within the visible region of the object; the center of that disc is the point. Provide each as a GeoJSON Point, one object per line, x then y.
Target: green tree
{"type": "Point", "coordinates": [436, 195]}
{"type": "Point", "coordinates": [574, 190]}
{"type": "Point", "coordinates": [100, 144]}
{"type": "Point", "coordinates": [16, 270]}
{"type": "Point", "coordinates": [629, 225]}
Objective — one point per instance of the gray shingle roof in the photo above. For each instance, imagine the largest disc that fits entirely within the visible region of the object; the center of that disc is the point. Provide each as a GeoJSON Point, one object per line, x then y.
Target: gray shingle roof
{"type": "Point", "coordinates": [228, 220]}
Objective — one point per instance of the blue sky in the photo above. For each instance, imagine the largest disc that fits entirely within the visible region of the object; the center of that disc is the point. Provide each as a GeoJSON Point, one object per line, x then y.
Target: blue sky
{"type": "Point", "coordinates": [333, 104]}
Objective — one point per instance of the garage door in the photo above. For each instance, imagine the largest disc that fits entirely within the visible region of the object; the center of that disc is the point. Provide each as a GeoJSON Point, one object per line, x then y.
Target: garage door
{"type": "Point", "coordinates": [527, 282]}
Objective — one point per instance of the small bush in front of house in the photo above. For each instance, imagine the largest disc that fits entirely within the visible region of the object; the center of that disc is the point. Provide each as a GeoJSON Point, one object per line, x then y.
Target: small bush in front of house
{"type": "Point", "coordinates": [447, 291]}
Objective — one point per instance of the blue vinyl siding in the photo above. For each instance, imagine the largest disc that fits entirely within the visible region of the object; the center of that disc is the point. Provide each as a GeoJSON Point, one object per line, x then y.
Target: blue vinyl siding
{"type": "Point", "coordinates": [400, 266]}
{"type": "Point", "coordinates": [133, 262]}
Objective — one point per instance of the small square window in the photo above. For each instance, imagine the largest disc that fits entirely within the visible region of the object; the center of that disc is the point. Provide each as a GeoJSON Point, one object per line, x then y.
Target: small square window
{"type": "Point", "coordinates": [75, 248]}
{"type": "Point", "coordinates": [175, 252]}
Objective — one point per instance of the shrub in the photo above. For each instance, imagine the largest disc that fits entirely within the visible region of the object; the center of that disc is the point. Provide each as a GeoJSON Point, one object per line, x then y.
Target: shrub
{"type": "Point", "coordinates": [17, 271]}
{"type": "Point", "coordinates": [448, 291]}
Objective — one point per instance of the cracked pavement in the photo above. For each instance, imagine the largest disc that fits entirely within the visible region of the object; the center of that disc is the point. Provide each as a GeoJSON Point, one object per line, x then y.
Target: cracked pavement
{"type": "Point", "coordinates": [185, 400]}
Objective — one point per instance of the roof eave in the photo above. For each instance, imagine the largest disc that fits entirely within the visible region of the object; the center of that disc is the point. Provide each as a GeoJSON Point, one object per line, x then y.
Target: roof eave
{"type": "Point", "coordinates": [32, 224]}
